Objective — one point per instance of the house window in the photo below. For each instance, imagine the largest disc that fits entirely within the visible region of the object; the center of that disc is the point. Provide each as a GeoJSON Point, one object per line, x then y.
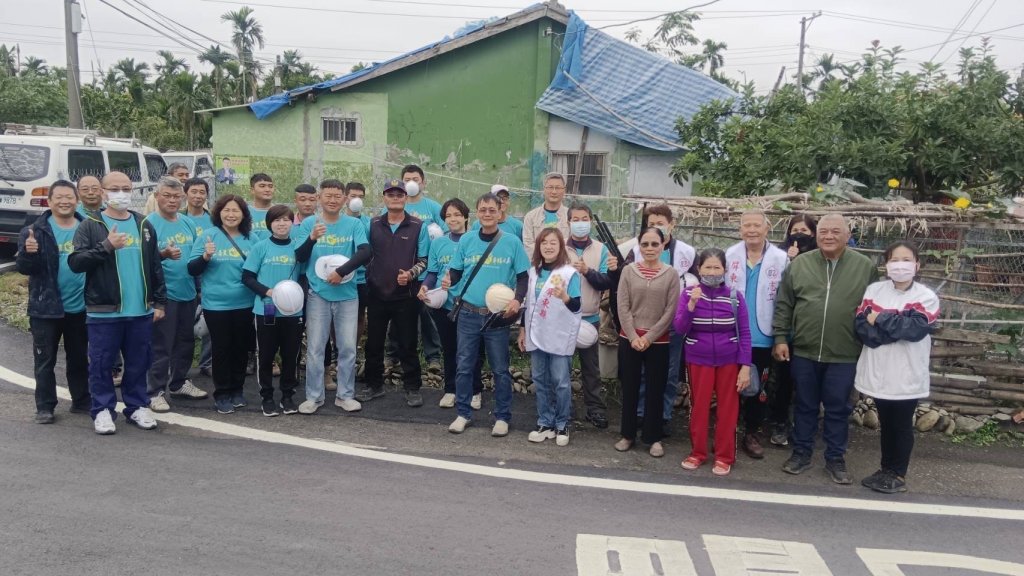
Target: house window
{"type": "Point", "coordinates": [341, 130]}
{"type": "Point", "coordinates": [593, 174]}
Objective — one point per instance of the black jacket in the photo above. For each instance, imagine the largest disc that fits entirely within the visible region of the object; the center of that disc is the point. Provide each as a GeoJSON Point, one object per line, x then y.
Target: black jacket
{"type": "Point", "coordinates": [394, 251]}
{"type": "Point", "coordinates": [44, 300]}
{"type": "Point", "coordinates": [96, 257]}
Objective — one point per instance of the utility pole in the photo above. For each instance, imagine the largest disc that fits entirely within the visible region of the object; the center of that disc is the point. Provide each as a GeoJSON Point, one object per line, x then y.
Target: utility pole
{"type": "Point", "coordinates": [800, 61]}
{"type": "Point", "coordinates": [72, 27]}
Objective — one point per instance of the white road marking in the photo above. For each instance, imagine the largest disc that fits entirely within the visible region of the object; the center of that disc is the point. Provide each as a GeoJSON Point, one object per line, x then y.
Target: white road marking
{"type": "Point", "coordinates": [7, 266]}
{"type": "Point", "coordinates": [748, 556]}
{"type": "Point", "coordinates": [888, 562]}
{"type": "Point", "coordinates": [615, 556]}
{"type": "Point", "coordinates": [863, 505]}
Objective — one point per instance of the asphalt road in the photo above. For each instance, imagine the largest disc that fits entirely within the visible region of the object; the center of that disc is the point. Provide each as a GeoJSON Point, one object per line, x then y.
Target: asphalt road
{"type": "Point", "coordinates": [182, 500]}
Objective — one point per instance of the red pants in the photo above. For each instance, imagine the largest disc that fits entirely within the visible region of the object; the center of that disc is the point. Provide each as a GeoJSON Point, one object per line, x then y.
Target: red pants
{"type": "Point", "coordinates": [720, 380]}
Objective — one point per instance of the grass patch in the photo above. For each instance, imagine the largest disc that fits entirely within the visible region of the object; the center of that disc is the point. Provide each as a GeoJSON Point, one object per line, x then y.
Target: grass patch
{"type": "Point", "coordinates": [14, 300]}
{"type": "Point", "coordinates": [989, 435]}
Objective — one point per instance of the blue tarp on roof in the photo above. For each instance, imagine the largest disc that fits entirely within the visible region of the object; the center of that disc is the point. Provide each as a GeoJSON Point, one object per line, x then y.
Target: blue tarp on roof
{"type": "Point", "coordinates": [623, 90]}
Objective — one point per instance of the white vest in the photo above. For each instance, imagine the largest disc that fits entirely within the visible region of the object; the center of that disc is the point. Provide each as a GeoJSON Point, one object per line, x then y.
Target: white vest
{"type": "Point", "coordinates": [550, 326]}
{"type": "Point", "coordinates": [773, 264]}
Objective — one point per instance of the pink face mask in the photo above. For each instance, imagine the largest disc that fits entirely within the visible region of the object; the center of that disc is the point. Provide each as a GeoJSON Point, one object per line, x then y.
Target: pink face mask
{"type": "Point", "coordinates": [901, 271]}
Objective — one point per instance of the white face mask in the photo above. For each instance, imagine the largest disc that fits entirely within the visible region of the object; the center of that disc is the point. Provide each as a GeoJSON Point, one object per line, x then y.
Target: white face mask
{"type": "Point", "coordinates": [355, 205]}
{"type": "Point", "coordinates": [901, 271]}
{"type": "Point", "coordinates": [412, 189]}
{"type": "Point", "coordinates": [580, 229]}
{"type": "Point", "coordinates": [119, 200]}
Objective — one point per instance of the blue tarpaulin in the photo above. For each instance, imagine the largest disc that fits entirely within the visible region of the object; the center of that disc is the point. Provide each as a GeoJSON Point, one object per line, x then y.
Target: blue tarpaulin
{"type": "Point", "coordinates": [623, 90]}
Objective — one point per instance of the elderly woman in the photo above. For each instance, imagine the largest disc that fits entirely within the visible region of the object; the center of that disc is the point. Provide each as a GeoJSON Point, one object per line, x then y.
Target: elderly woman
{"type": "Point", "coordinates": [647, 297]}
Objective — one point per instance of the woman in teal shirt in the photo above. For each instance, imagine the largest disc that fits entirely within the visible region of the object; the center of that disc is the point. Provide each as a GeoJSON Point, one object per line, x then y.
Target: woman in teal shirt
{"type": "Point", "coordinates": [227, 304]}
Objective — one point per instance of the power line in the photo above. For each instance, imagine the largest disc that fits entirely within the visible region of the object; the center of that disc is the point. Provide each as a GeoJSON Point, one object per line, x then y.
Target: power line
{"type": "Point", "coordinates": [896, 23]}
{"type": "Point", "coordinates": [88, 23]}
{"type": "Point", "coordinates": [974, 5]}
{"type": "Point", "coordinates": [976, 24]}
{"type": "Point", "coordinates": [160, 32]}
{"type": "Point", "coordinates": [660, 15]}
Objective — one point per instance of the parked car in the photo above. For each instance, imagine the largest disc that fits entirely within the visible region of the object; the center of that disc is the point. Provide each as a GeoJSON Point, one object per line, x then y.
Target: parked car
{"type": "Point", "coordinates": [200, 165]}
{"type": "Point", "coordinates": [31, 159]}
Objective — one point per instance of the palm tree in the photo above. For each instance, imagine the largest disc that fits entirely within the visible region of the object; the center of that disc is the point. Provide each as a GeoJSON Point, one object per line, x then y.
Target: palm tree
{"type": "Point", "coordinates": [169, 67]}
{"type": "Point", "coordinates": [233, 80]}
{"type": "Point", "coordinates": [217, 58]}
{"type": "Point", "coordinates": [8, 62]}
{"type": "Point", "coordinates": [824, 70]}
{"type": "Point", "coordinates": [133, 77]}
{"type": "Point", "coordinates": [34, 67]}
{"type": "Point", "coordinates": [712, 55]}
{"type": "Point", "coordinates": [247, 34]}
{"type": "Point", "coordinates": [186, 94]}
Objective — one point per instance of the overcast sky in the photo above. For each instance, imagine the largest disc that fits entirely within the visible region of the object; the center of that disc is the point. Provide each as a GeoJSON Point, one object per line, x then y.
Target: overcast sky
{"type": "Point", "coordinates": [762, 36]}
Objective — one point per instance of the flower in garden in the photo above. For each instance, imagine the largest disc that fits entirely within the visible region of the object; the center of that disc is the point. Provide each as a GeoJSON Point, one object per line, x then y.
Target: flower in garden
{"type": "Point", "coordinates": [820, 188]}
{"type": "Point", "coordinates": [893, 183]}
{"type": "Point", "coordinates": [962, 203]}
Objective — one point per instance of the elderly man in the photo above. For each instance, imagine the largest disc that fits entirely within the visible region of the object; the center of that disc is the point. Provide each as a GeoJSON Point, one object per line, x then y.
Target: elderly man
{"type": "Point", "coordinates": [552, 214]}
{"type": "Point", "coordinates": [816, 303]}
{"type": "Point", "coordinates": [124, 295]}
{"type": "Point", "coordinates": [90, 195]}
{"type": "Point", "coordinates": [754, 269]}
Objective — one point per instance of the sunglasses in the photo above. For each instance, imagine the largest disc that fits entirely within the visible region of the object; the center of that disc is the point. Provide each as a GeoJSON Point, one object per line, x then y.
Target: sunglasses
{"type": "Point", "coordinates": [650, 244]}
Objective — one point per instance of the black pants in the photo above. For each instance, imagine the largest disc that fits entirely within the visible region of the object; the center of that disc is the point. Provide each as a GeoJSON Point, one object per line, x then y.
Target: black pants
{"type": "Point", "coordinates": [173, 345]}
{"type": "Point", "coordinates": [653, 365]}
{"type": "Point", "coordinates": [403, 316]}
{"type": "Point", "coordinates": [896, 418]}
{"type": "Point", "coordinates": [46, 336]}
{"type": "Point", "coordinates": [231, 333]}
{"type": "Point", "coordinates": [780, 399]}
{"type": "Point", "coordinates": [590, 373]}
{"type": "Point", "coordinates": [448, 333]}
{"type": "Point", "coordinates": [284, 336]}
{"type": "Point", "coordinates": [755, 408]}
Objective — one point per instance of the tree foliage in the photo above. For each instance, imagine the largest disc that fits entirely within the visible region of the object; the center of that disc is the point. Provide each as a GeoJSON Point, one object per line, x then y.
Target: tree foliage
{"type": "Point", "coordinates": [866, 122]}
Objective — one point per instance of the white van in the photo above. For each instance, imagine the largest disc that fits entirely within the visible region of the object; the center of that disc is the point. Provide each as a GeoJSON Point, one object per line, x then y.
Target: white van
{"type": "Point", "coordinates": [30, 162]}
{"type": "Point", "coordinates": [200, 165]}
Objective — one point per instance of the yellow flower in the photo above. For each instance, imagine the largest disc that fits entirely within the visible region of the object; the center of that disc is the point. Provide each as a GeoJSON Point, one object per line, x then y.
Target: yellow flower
{"type": "Point", "coordinates": [962, 203]}
{"type": "Point", "coordinates": [894, 183]}
{"type": "Point", "coordinates": [820, 188]}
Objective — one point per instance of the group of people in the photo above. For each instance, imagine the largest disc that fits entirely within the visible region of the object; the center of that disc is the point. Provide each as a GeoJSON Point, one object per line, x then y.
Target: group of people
{"type": "Point", "coordinates": [125, 289]}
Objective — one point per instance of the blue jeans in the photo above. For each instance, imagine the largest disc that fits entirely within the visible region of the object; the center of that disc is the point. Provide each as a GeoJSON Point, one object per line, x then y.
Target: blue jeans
{"type": "Point", "coordinates": [130, 337]}
{"type": "Point", "coordinates": [554, 393]}
{"type": "Point", "coordinates": [827, 384]}
{"type": "Point", "coordinates": [675, 361]}
{"type": "Point", "coordinates": [320, 315]}
{"type": "Point", "coordinates": [496, 348]}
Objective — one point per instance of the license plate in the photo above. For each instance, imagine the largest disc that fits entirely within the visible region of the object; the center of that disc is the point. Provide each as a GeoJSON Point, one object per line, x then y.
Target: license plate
{"type": "Point", "coordinates": [8, 200]}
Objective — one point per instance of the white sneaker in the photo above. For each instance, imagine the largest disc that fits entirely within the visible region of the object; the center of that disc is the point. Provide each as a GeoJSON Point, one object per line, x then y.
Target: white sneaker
{"type": "Point", "coordinates": [143, 418]}
{"type": "Point", "coordinates": [310, 407]}
{"type": "Point", "coordinates": [459, 425]}
{"type": "Point", "coordinates": [476, 402]}
{"type": "Point", "coordinates": [348, 404]}
{"type": "Point", "coordinates": [541, 434]}
{"type": "Point", "coordinates": [190, 390]}
{"type": "Point", "coordinates": [159, 404]}
{"type": "Point", "coordinates": [562, 439]}
{"type": "Point", "coordinates": [447, 401]}
{"type": "Point", "coordinates": [103, 423]}
{"type": "Point", "coordinates": [500, 429]}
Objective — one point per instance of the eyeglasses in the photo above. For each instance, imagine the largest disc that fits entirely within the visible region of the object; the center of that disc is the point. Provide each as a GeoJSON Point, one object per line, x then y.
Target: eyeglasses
{"type": "Point", "coordinates": [553, 188]}
{"type": "Point", "coordinates": [89, 188]}
{"type": "Point", "coordinates": [128, 189]}
{"type": "Point", "coordinates": [650, 244]}
{"type": "Point", "coordinates": [487, 211]}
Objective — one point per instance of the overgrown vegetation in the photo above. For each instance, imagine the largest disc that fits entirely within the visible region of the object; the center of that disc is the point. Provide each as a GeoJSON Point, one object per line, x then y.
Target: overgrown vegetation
{"type": "Point", "coordinates": [991, 434]}
{"type": "Point", "coordinates": [13, 299]}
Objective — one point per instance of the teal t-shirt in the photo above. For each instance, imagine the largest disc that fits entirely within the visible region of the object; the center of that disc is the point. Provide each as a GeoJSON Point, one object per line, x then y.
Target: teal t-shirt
{"type": "Point", "coordinates": [506, 261]}
{"type": "Point", "coordinates": [511, 225]}
{"type": "Point", "coordinates": [222, 280]}
{"type": "Point", "coordinates": [342, 237]}
{"type": "Point", "coordinates": [81, 210]}
{"type": "Point", "coordinates": [259, 223]}
{"type": "Point", "coordinates": [361, 271]}
{"type": "Point", "coordinates": [181, 287]}
{"type": "Point", "coordinates": [272, 263]}
{"type": "Point", "coordinates": [129, 272]}
{"type": "Point", "coordinates": [550, 218]}
{"type": "Point", "coordinates": [574, 285]}
{"type": "Point", "coordinates": [71, 284]}
{"type": "Point", "coordinates": [757, 338]}
{"type": "Point", "coordinates": [201, 223]}
{"type": "Point", "coordinates": [602, 268]}
{"type": "Point", "coordinates": [442, 249]}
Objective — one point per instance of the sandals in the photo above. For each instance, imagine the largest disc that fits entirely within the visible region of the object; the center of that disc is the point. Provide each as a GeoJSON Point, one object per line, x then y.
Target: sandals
{"type": "Point", "coordinates": [691, 463]}
{"type": "Point", "coordinates": [721, 468]}
{"type": "Point", "coordinates": [623, 445]}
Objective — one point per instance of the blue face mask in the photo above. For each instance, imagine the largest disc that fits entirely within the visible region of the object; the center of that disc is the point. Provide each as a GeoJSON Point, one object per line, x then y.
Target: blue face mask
{"type": "Point", "coordinates": [580, 229]}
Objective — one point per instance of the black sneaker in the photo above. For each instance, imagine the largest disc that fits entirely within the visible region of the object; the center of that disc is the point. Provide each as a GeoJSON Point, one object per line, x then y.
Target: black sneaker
{"type": "Point", "coordinates": [890, 483]}
{"type": "Point", "coordinates": [270, 408]}
{"type": "Point", "coordinates": [367, 394]}
{"type": "Point", "coordinates": [780, 435]}
{"type": "Point", "coordinates": [288, 406]}
{"type": "Point", "coordinates": [796, 464]}
{"type": "Point", "coordinates": [598, 420]}
{"type": "Point", "coordinates": [79, 409]}
{"type": "Point", "coordinates": [224, 405]}
{"type": "Point", "coordinates": [837, 471]}
{"type": "Point", "coordinates": [413, 398]}
{"type": "Point", "coordinates": [44, 417]}
{"type": "Point", "coordinates": [238, 400]}
{"type": "Point", "coordinates": [873, 480]}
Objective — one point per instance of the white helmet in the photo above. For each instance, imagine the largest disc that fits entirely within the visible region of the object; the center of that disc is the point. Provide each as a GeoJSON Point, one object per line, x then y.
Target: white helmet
{"type": "Point", "coordinates": [288, 297]}
{"type": "Point", "coordinates": [498, 296]}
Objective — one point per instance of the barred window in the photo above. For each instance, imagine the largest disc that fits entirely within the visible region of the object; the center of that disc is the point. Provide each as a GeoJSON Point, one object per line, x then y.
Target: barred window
{"type": "Point", "coordinates": [341, 130]}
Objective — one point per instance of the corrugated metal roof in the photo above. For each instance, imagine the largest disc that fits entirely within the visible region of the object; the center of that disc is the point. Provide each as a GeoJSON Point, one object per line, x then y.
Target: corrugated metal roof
{"type": "Point", "coordinates": [623, 90]}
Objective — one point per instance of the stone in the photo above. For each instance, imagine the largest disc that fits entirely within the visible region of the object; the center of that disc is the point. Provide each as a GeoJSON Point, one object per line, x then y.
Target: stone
{"type": "Point", "coordinates": [967, 425]}
{"type": "Point", "coordinates": [943, 422]}
{"type": "Point", "coordinates": [927, 421]}
{"type": "Point", "coordinates": [1002, 417]}
{"type": "Point", "coordinates": [951, 428]}
{"type": "Point", "coordinates": [942, 412]}
{"type": "Point", "coordinates": [871, 419]}
{"type": "Point", "coordinates": [857, 418]}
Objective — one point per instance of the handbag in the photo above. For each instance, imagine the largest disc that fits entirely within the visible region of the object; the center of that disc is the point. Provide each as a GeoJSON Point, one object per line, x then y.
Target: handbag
{"type": "Point", "coordinates": [754, 388]}
{"type": "Point", "coordinates": [457, 305]}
